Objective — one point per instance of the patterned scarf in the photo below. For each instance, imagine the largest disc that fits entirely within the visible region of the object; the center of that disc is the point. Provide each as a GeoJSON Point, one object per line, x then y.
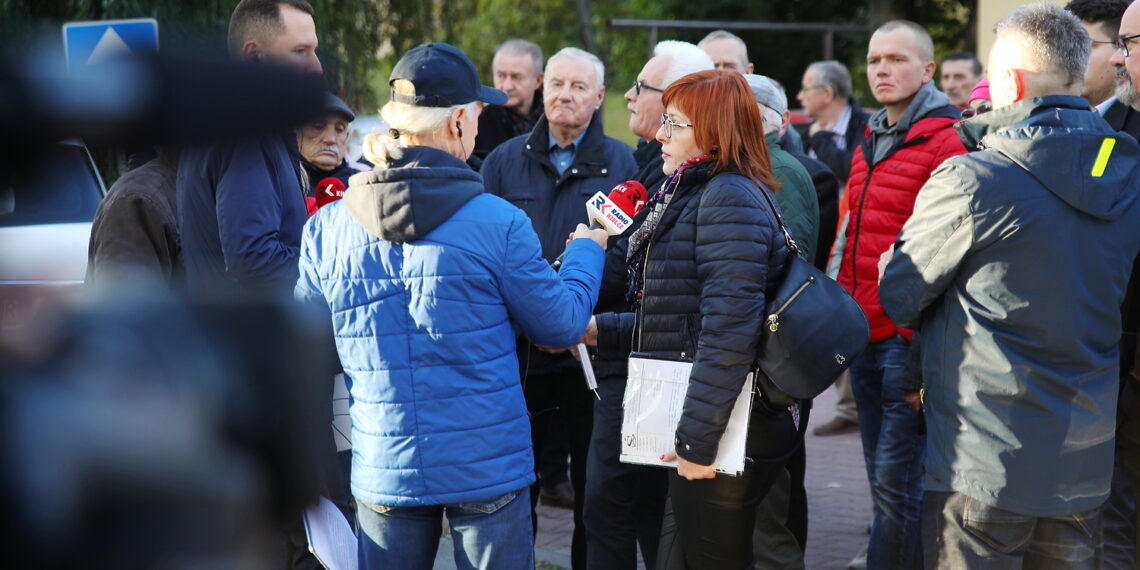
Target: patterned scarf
{"type": "Point", "coordinates": [639, 241]}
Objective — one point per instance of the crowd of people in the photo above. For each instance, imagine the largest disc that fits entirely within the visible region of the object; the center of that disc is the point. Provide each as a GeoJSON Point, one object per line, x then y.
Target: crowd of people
{"type": "Point", "coordinates": [988, 225]}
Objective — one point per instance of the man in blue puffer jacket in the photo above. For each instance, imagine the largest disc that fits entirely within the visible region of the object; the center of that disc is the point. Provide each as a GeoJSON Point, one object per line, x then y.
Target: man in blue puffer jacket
{"type": "Point", "coordinates": [426, 277]}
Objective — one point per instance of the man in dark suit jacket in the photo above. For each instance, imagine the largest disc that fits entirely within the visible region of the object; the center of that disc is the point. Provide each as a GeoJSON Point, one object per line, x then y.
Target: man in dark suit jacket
{"type": "Point", "coordinates": [1123, 118]}
{"type": "Point", "coordinates": [1122, 115]}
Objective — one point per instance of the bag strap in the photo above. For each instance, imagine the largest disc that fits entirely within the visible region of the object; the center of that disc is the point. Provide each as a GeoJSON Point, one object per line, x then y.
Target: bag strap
{"type": "Point", "coordinates": [779, 219]}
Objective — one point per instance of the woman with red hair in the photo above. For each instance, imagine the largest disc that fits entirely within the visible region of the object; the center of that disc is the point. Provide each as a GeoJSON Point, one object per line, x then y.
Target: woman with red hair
{"type": "Point", "coordinates": [701, 267]}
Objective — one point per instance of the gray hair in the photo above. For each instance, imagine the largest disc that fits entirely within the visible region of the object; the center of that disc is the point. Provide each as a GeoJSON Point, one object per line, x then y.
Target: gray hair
{"type": "Point", "coordinates": [404, 119]}
{"type": "Point", "coordinates": [834, 76]}
{"type": "Point", "coordinates": [921, 36]}
{"type": "Point", "coordinates": [684, 58]}
{"type": "Point", "coordinates": [1052, 37]}
{"type": "Point", "coordinates": [599, 67]}
{"type": "Point", "coordinates": [523, 47]}
{"type": "Point", "coordinates": [724, 35]}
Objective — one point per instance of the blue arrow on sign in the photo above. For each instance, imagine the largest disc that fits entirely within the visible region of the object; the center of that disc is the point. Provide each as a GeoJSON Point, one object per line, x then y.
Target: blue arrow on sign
{"type": "Point", "coordinates": [86, 43]}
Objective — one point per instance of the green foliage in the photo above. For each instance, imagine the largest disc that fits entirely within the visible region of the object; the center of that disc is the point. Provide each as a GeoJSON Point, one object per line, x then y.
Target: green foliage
{"type": "Point", "coordinates": [362, 39]}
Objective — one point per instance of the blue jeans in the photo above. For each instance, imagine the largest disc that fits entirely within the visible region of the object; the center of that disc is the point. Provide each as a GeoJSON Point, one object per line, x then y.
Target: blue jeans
{"type": "Point", "coordinates": [487, 534]}
{"type": "Point", "coordinates": [961, 532]}
{"type": "Point", "coordinates": [893, 449]}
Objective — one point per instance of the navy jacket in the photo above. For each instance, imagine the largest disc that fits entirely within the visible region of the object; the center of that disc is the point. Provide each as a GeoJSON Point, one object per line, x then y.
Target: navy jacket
{"type": "Point", "coordinates": [714, 258]}
{"type": "Point", "coordinates": [240, 212]}
{"type": "Point", "coordinates": [520, 171]}
{"type": "Point", "coordinates": [1014, 263]}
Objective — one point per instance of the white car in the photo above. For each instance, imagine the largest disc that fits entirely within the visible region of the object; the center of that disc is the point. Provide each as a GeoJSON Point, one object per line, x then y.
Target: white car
{"type": "Point", "coordinates": [45, 224]}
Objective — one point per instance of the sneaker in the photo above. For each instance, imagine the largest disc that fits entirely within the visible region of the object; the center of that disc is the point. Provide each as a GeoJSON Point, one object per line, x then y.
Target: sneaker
{"type": "Point", "coordinates": [561, 495]}
{"type": "Point", "coordinates": [859, 562]}
{"type": "Point", "coordinates": [837, 426]}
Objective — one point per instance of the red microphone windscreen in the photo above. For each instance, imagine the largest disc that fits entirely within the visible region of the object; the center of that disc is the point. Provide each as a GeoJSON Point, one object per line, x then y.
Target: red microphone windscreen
{"type": "Point", "coordinates": [329, 190]}
{"type": "Point", "coordinates": [630, 196]}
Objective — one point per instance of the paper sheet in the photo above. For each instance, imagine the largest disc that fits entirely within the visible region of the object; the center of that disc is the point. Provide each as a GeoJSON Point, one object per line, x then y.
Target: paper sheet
{"type": "Point", "coordinates": [342, 423]}
{"type": "Point", "coordinates": [331, 538]}
{"type": "Point", "coordinates": [654, 398]}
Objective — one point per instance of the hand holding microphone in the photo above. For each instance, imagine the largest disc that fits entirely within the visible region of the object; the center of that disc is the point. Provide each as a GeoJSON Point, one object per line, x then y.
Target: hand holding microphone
{"type": "Point", "coordinates": [613, 213]}
{"type": "Point", "coordinates": [599, 235]}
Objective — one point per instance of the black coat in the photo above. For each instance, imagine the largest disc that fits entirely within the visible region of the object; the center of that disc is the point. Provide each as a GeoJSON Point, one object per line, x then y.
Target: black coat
{"type": "Point", "coordinates": [498, 124]}
{"type": "Point", "coordinates": [520, 172]}
{"type": "Point", "coordinates": [714, 258]}
{"type": "Point", "coordinates": [827, 190]}
{"type": "Point", "coordinates": [1124, 118]}
{"type": "Point", "coordinates": [839, 161]}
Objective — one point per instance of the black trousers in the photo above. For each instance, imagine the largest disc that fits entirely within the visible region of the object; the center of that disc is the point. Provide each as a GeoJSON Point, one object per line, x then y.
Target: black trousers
{"type": "Point", "coordinates": [624, 503]}
{"type": "Point", "coordinates": [564, 393]}
{"type": "Point", "coordinates": [708, 522]}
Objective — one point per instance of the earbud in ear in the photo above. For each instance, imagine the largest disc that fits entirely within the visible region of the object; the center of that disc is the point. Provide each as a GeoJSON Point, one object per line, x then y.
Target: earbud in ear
{"type": "Point", "coordinates": [459, 128]}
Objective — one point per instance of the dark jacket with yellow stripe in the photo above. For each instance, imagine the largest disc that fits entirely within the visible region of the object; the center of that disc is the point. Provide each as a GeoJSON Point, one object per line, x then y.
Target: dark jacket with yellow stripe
{"type": "Point", "coordinates": [1014, 265]}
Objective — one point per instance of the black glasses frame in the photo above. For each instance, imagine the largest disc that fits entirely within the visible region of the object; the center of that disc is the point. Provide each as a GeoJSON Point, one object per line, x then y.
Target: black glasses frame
{"type": "Point", "coordinates": [1122, 43]}
{"type": "Point", "coordinates": [638, 86]}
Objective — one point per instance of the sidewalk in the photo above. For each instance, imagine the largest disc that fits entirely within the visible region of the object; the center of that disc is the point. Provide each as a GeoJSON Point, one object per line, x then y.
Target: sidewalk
{"type": "Point", "coordinates": [839, 504]}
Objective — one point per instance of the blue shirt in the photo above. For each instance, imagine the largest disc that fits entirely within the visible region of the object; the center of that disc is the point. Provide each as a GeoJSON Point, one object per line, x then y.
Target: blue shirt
{"type": "Point", "coordinates": [562, 156]}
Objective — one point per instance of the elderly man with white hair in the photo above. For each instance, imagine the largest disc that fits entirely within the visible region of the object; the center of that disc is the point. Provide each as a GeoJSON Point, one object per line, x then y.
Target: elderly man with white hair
{"type": "Point", "coordinates": [550, 174]}
{"type": "Point", "coordinates": [625, 503]}
{"type": "Point", "coordinates": [1014, 263]}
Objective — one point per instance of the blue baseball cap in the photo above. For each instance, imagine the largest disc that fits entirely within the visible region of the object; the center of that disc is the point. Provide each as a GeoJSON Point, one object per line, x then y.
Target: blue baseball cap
{"type": "Point", "coordinates": [443, 77]}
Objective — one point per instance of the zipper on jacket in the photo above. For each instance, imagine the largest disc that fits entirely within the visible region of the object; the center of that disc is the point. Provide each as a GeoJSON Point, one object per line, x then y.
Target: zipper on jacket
{"type": "Point", "coordinates": [773, 320]}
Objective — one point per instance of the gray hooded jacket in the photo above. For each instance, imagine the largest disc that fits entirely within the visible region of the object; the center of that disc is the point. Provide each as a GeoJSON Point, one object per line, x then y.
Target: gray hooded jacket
{"type": "Point", "coordinates": [1015, 263]}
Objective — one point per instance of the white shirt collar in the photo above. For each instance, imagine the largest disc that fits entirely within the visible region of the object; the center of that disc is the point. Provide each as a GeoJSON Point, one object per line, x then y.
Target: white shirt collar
{"type": "Point", "coordinates": [1103, 107]}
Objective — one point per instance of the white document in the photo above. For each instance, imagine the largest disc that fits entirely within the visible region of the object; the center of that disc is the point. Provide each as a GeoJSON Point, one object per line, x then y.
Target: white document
{"type": "Point", "coordinates": [331, 538]}
{"type": "Point", "coordinates": [654, 398]}
{"type": "Point", "coordinates": [342, 422]}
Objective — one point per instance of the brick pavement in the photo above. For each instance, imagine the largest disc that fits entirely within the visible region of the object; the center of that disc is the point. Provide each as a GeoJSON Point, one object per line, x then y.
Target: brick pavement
{"type": "Point", "coordinates": [838, 501]}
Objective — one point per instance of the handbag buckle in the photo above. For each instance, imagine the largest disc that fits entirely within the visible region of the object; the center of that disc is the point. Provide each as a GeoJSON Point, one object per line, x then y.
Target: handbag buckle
{"type": "Point", "coordinates": [773, 322]}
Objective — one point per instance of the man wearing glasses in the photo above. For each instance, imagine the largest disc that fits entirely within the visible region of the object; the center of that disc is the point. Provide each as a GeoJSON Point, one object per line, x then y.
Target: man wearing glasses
{"type": "Point", "coordinates": [1126, 62]}
{"type": "Point", "coordinates": [838, 121]}
{"type": "Point", "coordinates": [624, 502]}
{"type": "Point", "coordinates": [1101, 19]}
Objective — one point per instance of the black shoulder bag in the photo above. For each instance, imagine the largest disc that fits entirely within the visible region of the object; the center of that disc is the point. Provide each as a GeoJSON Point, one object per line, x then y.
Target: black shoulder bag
{"type": "Point", "coordinates": [813, 329]}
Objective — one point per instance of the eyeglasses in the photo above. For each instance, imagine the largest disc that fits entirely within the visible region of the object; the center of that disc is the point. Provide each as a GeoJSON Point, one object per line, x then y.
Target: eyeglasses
{"type": "Point", "coordinates": [1122, 43]}
{"type": "Point", "coordinates": [979, 110]}
{"type": "Point", "coordinates": [669, 125]}
{"type": "Point", "coordinates": [1112, 43]}
{"type": "Point", "coordinates": [810, 87]}
{"type": "Point", "coordinates": [638, 86]}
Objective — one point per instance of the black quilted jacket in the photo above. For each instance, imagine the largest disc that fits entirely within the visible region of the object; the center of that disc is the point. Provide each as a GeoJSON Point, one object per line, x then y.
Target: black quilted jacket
{"type": "Point", "coordinates": [717, 252]}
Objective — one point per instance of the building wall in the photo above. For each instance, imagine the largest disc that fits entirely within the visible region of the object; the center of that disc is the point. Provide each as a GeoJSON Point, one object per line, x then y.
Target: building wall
{"type": "Point", "coordinates": [989, 12]}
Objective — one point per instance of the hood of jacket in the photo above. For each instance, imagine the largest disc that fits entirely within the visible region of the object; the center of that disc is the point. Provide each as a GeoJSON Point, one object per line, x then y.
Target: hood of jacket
{"type": "Point", "coordinates": [885, 139]}
{"type": "Point", "coordinates": [413, 196]}
{"type": "Point", "coordinates": [1067, 147]}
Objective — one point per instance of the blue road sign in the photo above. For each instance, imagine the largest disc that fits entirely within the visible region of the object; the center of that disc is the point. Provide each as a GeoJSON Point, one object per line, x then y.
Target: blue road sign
{"type": "Point", "coordinates": [91, 42]}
